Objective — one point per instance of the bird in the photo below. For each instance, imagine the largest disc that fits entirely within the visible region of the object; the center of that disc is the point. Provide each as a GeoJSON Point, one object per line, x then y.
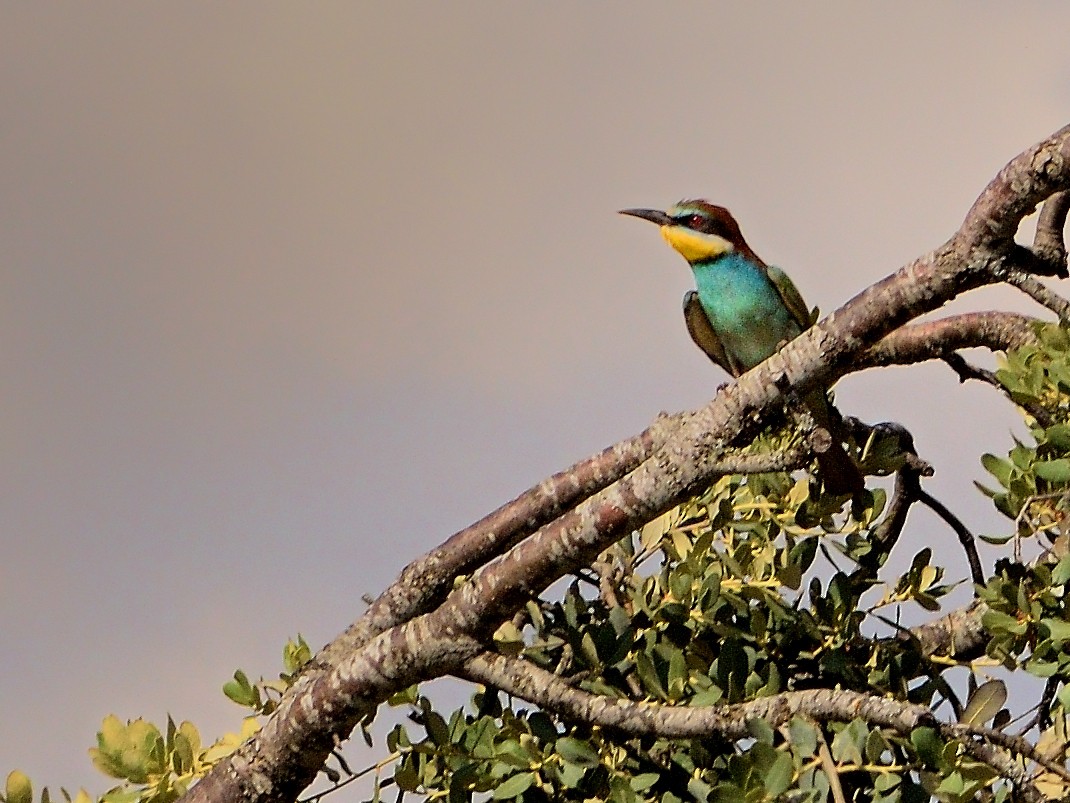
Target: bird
{"type": "Point", "coordinates": [744, 310]}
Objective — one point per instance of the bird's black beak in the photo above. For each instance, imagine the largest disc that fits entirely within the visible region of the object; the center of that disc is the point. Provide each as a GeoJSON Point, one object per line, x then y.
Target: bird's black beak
{"type": "Point", "coordinates": [653, 215]}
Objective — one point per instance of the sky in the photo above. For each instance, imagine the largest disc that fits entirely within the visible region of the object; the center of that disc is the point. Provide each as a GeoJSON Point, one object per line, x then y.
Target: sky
{"type": "Point", "coordinates": [289, 293]}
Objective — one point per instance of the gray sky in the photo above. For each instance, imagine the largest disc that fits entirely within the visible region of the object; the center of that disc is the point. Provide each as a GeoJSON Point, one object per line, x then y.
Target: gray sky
{"type": "Point", "coordinates": [290, 293]}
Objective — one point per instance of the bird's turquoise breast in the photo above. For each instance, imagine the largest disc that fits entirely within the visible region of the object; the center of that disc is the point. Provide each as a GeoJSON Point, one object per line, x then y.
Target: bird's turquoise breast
{"type": "Point", "coordinates": [744, 308]}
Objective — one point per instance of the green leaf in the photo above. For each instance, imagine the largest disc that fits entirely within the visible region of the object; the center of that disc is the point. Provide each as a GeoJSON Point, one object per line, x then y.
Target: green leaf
{"type": "Point", "coordinates": [952, 785]}
{"type": "Point", "coordinates": [1042, 669]}
{"type": "Point", "coordinates": [997, 622]}
{"type": "Point", "coordinates": [984, 703]}
{"type": "Point", "coordinates": [514, 786]}
{"type": "Point", "coordinates": [1054, 338]}
{"type": "Point", "coordinates": [701, 790]}
{"type": "Point", "coordinates": [406, 778]}
{"type": "Point", "coordinates": [542, 727]}
{"type": "Point", "coordinates": [1053, 470]}
{"type": "Point", "coordinates": [436, 728]}
{"type": "Point", "coordinates": [886, 781]}
{"type": "Point", "coordinates": [649, 675]}
{"type": "Point", "coordinates": [589, 650]}
{"type": "Point", "coordinates": [461, 780]}
{"type": "Point", "coordinates": [405, 696]}
{"type": "Point", "coordinates": [928, 745]}
{"type": "Point", "coordinates": [999, 468]}
{"type": "Point", "coordinates": [779, 776]}
{"type": "Point", "coordinates": [1058, 436]}
{"type": "Point", "coordinates": [512, 753]}
{"type": "Point", "coordinates": [1058, 630]}
{"type": "Point", "coordinates": [1060, 575]}
{"type": "Point", "coordinates": [241, 691]}
{"type": "Point", "coordinates": [731, 669]}
{"type": "Point", "coordinates": [803, 737]}
{"type": "Point", "coordinates": [182, 757]}
{"type": "Point", "coordinates": [571, 775]}
{"type": "Point", "coordinates": [849, 743]}
{"type": "Point", "coordinates": [760, 730]}
{"type": "Point", "coordinates": [18, 788]}
{"type": "Point", "coordinates": [131, 752]}
{"type": "Point", "coordinates": [643, 781]}
{"type": "Point", "coordinates": [677, 675]}
{"type": "Point", "coordinates": [1063, 697]}
{"type": "Point", "coordinates": [508, 639]}
{"type": "Point", "coordinates": [295, 654]}
{"type": "Point", "coordinates": [578, 752]}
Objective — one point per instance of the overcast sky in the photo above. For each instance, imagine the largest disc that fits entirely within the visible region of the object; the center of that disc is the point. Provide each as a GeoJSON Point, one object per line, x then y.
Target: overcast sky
{"type": "Point", "coordinates": [292, 292]}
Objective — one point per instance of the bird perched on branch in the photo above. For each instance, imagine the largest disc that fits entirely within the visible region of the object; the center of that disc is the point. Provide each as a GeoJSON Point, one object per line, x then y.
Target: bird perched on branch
{"type": "Point", "coordinates": [744, 311]}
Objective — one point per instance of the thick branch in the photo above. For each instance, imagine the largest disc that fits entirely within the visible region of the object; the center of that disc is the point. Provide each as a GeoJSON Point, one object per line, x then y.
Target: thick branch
{"type": "Point", "coordinates": [934, 340]}
{"type": "Point", "coordinates": [549, 692]}
{"type": "Point", "coordinates": [528, 682]}
{"type": "Point", "coordinates": [959, 634]}
{"type": "Point", "coordinates": [941, 339]}
{"type": "Point", "coordinates": [1028, 180]}
{"type": "Point", "coordinates": [1049, 244]}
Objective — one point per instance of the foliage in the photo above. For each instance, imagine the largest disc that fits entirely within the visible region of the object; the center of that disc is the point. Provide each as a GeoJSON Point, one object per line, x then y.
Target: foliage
{"type": "Point", "coordinates": [1034, 478]}
{"type": "Point", "coordinates": [737, 607]}
{"type": "Point", "coordinates": [755, 587]}
{"type": "Point", "coordinates": [725, 617]}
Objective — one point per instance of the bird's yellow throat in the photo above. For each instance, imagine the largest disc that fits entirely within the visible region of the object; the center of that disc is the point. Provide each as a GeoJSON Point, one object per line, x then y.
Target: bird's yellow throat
{"type": "Point", "coordinates": [695, 246]}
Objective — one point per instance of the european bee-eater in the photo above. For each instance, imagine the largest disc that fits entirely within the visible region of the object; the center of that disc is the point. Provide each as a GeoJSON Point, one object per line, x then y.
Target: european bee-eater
{"type": "Point", "coordinates": [744, 311]}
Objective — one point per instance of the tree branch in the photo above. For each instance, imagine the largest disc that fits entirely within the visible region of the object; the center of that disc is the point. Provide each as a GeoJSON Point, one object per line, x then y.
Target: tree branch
{"type": "Point", "coordinates": [958, 635]}
{"type": "Point", "coordinates": [1049, 244]}
{"type": "Point", "coordinates": [1036, 290]}
{"type": "Point", "coordinates": [936, 340]}
{"type": "Point", "coordinates": [529, 682]}
{"type": "Point", "coordinates": [635, 719]}
{"type": "Point", "coordinates": [969, 546]}
{"type": "Point", "coordinates": [578, 515]}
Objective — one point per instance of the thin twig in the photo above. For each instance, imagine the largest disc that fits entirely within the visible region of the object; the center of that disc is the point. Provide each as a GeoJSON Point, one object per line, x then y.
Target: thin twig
{"type": "Point", "coordinates": [829, 766]}
{"type": "Point", "coordinates": [1010, 742]}
{"type": "Point", "coordinates": [967, 370]}
{"type": "Point", "coordinates": [966, 538]}
{"type": "Point", "coordinates": [885, 534]}
{"type": "Point", "coordinates": [1036, 290]}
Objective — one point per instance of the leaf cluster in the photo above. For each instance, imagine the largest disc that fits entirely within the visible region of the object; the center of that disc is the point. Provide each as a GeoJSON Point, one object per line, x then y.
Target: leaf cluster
{"type": "Point", "coordinates": [722, 600]}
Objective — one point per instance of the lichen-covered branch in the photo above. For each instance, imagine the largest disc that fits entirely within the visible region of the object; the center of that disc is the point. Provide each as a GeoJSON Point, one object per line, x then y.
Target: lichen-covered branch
{"type": "Point", "coordinates": [936, 340]}
{"type": "Point", "coordinates": [958, 635]}
{"type": "Point", "coordinates": [1049, 244]}
{"type": "Point", "coordinates": [630, 718]}
{"type": "Point", "coordinates": [526, 681]}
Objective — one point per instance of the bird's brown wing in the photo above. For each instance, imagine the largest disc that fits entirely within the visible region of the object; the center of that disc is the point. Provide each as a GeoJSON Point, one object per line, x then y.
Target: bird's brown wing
{"type": "Point", "coordinates": [791, 297]}
{"type": "Point", "coordinates": [702, 332]}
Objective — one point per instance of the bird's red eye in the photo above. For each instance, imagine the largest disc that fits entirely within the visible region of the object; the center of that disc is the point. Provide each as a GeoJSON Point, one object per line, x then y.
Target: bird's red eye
{"type": "Point", "coordinates": [696, 221]}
